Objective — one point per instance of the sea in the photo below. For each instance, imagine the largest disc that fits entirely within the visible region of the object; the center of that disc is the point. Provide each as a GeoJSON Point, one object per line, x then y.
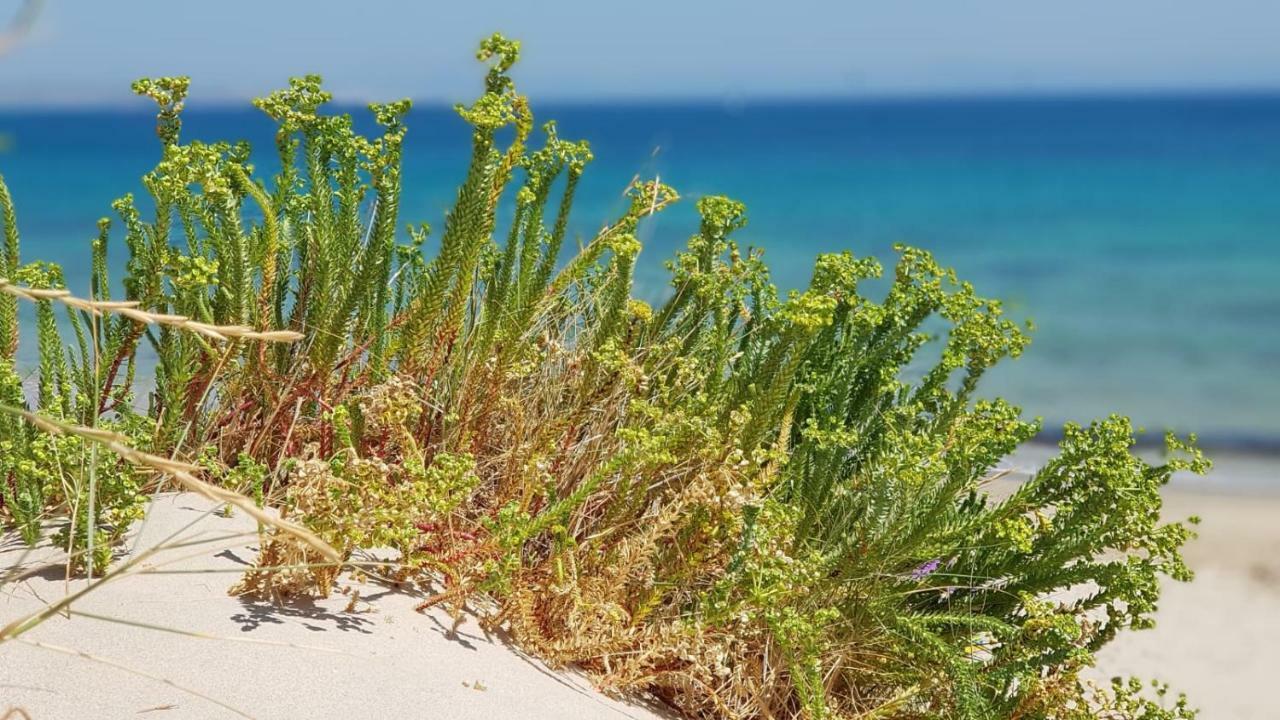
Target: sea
{"type": "Point", "coordinates": [1141, 234]}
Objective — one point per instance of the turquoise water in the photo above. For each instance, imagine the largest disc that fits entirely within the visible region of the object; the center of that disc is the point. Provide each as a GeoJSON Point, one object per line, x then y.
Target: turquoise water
{"type": "Point", "coordinates": [1141, 234]}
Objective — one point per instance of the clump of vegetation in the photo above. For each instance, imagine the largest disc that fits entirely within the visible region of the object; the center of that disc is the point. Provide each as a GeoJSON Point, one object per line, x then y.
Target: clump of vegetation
{"type": "Point", "coordinates": [737, 500]}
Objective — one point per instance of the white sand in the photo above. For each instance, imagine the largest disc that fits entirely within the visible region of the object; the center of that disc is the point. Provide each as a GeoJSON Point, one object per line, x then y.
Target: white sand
{"type": "Point", "coordinates": [383, 661]}
{"type": "Point", "coordinates": [1217, 639]}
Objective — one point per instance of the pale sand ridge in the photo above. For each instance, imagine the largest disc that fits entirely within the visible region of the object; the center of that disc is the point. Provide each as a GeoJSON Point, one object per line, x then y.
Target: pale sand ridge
{"type": "Point", "coordinates": [385, 660]}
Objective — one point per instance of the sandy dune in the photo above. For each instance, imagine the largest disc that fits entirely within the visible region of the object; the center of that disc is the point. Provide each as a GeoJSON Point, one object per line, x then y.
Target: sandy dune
{"type": "Point", "coordinates": [1218, 639]}
{"type": "Point", "coordinates": [385, 660]}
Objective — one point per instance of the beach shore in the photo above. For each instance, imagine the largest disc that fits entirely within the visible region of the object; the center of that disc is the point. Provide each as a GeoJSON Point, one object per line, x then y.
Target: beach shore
{"type": "Point", "coordinates": [374, 657]}
{"type": "Point", "coordinates": [1217, 638]}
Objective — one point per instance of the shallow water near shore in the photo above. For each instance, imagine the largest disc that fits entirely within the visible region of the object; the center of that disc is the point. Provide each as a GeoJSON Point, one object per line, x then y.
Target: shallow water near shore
{"type": "Point", "coordinates": [1141, 234]}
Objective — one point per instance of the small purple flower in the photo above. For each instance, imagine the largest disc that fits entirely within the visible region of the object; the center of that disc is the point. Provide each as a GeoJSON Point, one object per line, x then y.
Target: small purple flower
{"type": "Point", "coordinates": [926, 569]}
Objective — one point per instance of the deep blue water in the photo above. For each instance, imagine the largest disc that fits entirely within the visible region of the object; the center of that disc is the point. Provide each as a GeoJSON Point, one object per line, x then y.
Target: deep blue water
{"type": "Point", "coordinates": [1141, 234]}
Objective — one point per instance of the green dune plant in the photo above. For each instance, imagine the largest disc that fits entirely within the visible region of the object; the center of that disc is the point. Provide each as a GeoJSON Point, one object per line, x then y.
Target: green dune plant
{"type": "Point", "coordinates": [750, 504]}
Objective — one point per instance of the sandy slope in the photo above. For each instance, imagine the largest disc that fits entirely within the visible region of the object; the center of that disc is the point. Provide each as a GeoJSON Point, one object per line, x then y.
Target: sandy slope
{"type": "Point", "coordinates": [1218, 639]}
{"type": "Point", "coordinates": [385, 660]}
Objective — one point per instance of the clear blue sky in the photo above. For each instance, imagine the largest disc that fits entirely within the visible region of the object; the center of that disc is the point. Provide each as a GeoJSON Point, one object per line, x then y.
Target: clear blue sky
{"type": "Point", "coordinates": [87, 51]}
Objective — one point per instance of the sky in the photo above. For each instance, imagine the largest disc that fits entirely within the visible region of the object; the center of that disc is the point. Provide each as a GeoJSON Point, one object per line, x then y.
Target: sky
{"type": "Point", "coordinates": [86, 52]}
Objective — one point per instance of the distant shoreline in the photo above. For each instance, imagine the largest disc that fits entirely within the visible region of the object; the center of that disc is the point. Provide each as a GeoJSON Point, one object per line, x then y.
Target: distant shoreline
{"type": "Point", "coordinates": [1259, 445]}
{"type": "Point", "coordinates": [1234, 473]}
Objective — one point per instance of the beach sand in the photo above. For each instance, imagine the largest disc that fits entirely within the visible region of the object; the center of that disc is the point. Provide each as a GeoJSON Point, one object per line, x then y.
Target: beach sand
{"type": "Point", "coordinates": [1217, 639]}
{"type": "Point", "coordinates": [384, 660]}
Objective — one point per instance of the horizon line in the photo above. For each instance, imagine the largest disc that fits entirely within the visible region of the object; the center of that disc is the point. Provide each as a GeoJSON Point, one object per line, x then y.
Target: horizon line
{"type": "Point", "coordinates": [129, 102]}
